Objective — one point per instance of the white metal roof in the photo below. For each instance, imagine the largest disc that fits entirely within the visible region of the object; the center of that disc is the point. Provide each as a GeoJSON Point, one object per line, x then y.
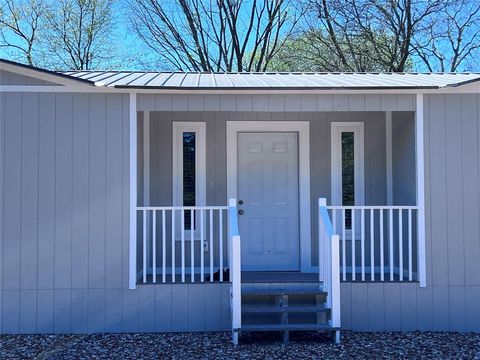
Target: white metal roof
{"type": "Point", "coordinates": [203, 80]}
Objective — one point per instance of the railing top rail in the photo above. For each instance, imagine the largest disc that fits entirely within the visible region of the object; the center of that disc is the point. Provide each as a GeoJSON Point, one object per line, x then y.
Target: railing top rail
{"type": "Point", "coordinates": [214, 207]}
{"type": "Point", "coordinates": [326, 220]}
{"type": "Point", "coordinates": [233, 217]}
{"type": "Point", "coordinates": [372, 207]}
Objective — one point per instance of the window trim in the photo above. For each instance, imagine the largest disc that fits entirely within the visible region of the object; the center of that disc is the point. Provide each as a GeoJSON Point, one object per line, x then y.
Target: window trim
{"type": "Point", "coordinates": [337, 128]}
{"type": "Point", "coordinates": [199, 128]}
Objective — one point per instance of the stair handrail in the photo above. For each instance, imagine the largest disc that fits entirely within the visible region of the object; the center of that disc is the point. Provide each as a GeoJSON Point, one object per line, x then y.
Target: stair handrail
{"type": "Point", "coordinates": [235, 269]}
{"type": "Point", "coordinates": [329, 264]}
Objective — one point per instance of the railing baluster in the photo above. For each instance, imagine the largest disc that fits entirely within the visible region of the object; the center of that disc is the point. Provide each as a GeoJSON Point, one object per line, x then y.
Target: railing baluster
{"type": "Point", "coordinates": [362, 220]}
{"type": "Point", "coordinates": [144, 212]}
{"type": "Point", "coordinates": [344, 252]}
{"type": "Point", "coordinates": [173, 246]}
{"type": "Point", "coordinates": [352, 224]}
{"type": "Point", "coordinates": [382, 268]}
{"type": "Point", "coordinates": [192, 247]}
{"type": "Point", "coordinates": [211, 245]}
{"type": "Point", "coordinates": [182, 224]}
{"type": "Point", "coordinates": [164, 248]}
{"type": "Point", "coordinates": [372, 244]}
{"type": "Point", "coordinates": [410, 262]}
{"type": "Point", "coordinates": [220, 238]}
{"type": "Point", "coordinates": [154, 246]}
{"type": "Point", "coordinates": [334, 220]}
{"type": "Point", "coordinates": [390, 247]}
{"type": "Point", "coordinates": [400, 243]}
{"type": "Point", "coordinates": [202, 247]}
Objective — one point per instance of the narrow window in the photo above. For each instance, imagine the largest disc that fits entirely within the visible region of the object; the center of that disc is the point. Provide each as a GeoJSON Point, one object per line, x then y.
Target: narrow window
{"type": "Point", "coordinates": [189, 168]}
{"type": "Point", "coordinates": [348, 174]}
{"type": "Point", "coordinates": [189, 178]}
{"type": "Point", "coordinates": [347, 167]}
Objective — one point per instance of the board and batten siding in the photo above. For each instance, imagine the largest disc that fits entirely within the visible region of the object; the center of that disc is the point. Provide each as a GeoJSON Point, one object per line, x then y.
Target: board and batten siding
{"type": "Point", "coordinates": [65, 208]}
{"type": "Point", "coordinates": [10, 78]}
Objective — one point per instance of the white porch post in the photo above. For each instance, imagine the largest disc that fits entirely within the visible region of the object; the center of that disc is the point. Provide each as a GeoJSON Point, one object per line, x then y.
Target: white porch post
{"type": "Point", "coordinates": [388, 142]}
{"type": "Point", "coordinates": [132, 283]}
{"type": "Point", "coordinates": [420, 166]}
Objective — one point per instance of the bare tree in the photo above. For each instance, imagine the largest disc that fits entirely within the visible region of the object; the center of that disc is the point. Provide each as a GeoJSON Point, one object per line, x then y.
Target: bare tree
{"type": "Point", "coordinates": [80, 34]}
{"type": "Point", "coordinates": [380, 31]}
{"type": "Point", "coordinates": [214, 35]}
{"type": "Point", "coordinates": [19, 26]}
{"type": "Point", "coordinates": [453, 41]}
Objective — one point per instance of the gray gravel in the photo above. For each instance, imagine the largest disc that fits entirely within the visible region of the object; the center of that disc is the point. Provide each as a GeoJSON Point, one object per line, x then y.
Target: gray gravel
{"type": "Point", "coordinates": [410, 345]}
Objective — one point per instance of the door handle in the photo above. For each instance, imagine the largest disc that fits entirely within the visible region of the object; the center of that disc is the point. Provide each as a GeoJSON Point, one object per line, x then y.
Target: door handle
{"type": "Point", "coordinates": [240, 202]}
{"type": "Point", "coordinates": [240, 212]}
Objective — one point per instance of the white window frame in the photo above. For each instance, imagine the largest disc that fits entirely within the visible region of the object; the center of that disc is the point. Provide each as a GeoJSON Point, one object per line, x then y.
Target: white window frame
{"type": "Point", "coordinates": [337, 128]}
{"type": "Point", "coordinates": [199, 128]}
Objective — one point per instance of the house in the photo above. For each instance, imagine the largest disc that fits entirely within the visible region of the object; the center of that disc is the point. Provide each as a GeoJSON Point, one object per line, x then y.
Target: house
{"type": "Point", "coordinates": [166, 201]}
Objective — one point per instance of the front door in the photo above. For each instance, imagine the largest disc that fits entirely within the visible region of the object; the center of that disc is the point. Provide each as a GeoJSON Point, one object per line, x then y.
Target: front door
{"type": "Point", "coordinates": [268, 201]}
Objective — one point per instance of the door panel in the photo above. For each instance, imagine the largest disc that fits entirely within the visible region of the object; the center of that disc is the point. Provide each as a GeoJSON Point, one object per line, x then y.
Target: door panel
{"type": "Point", "coordinates": [268, 186]}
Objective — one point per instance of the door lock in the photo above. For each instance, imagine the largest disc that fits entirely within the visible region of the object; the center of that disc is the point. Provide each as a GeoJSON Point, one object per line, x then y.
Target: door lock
{"type": "Point", "coordinates": [240, 212]}
{"type": "Point", "coordinates": [240, 202]}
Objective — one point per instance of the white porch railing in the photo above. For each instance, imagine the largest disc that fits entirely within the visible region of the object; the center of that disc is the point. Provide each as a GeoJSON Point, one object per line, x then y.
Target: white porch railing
{"type": "Point", "coordinates": [182, 243]}
{"type": "Point", "coordinates": [329, 273]}
{"type": "Point", "coordinates": [236, 272]}
{"type": "Point", "coordinates": [376, 240]}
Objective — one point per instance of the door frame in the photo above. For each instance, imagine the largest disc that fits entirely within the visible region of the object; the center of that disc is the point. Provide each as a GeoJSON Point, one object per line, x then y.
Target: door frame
{"type": "Point", "coordinates": [303, 130]}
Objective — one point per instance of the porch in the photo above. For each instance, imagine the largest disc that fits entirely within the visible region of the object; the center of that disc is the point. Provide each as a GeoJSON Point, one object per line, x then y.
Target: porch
{"type": "Point", "coordinates": [362, 162]}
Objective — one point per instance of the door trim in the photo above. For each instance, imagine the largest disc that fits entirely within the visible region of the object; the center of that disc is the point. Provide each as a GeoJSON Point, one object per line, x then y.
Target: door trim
{"type": "Point", "coordinates": [303, 130]}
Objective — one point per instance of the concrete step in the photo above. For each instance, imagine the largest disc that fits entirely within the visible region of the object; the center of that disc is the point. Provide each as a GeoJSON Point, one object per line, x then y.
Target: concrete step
{"type": "Point", "coordinates": [284, 309]}
{"type": "Point", "coordinates": [287, 327]}
{"type": "Point", "coordinates": [280, 292]}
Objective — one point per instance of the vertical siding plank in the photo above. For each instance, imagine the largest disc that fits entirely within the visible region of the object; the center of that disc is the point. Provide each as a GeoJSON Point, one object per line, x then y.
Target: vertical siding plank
{"type": "Point", "coordinates": [356, 103]}
{"type": "Point", "coordinates": [12, 194]}
{"type": "Point", "coordinates": [346, 305]}
{"type": "Point", "coordinates": [454, 165]}
{"type": "Point", "coordinates": [225, 309]}
{"type": "Point", "coordinates": [163, 307]}
{"type": "Point", "coordinates": [46, 192]}
{"type": "Point", "coordinates": [97, 187]}
{"type": "Point", "coordinates": [11, 311]}
{"type": "Point", "coordinates": [388, 102]}
{"type": "Point", "coordinates": [146, 303]}
{"type": "Point", "coordinates": [408, 307]}
{"type": "Point", "coordinates": [113, 310]}
{"type": "Point", "coordinates": [180, 307]}
{"type": "Point", "coordinates": [79, 311]}
{"type": "Point", "coordinates": [472, 296]}
{"type": "Point", "coordinates": [146, 102]}
{"type": "Point", "coordinates": [212, 103]}
{"type": "Point", "coordinates": [276, 103]}
{"type": "Point", "coordinates": [324, 102]}
{"type": "Point", "coordinates": [96, 310]}
{"type": "Point", "coordinates": [163, 102]}
{"type": "Point", "coordinates": [228, 103]}
{"type": "Point", "coordinates": [457, 306]}
{"type": "Point", "coordinates": [28, 311]}
{"type": "Point", "coordinates": [340, 103]}
{"type": "Point", "coordinates": [360, 297]}
{"type": "Point", "coordinates": [114, 160]}
{"type": "Point", "coordinates": [441, 309]}
{"type": "Point", "coordinates": [376, 307]}
{"type": "Point", "coordinates": [405, 102]}
{"type": "Point", "coordinates": [126, 189]}
{"type": "Point", "coordinates": [373, 102]}
{"type": "Point", "coordinates": [196, 307]}
{"type": "Point", "coordinates": [28, 263]}
{"type": "Point", "coordinates": [63, 191]}
{"type": "Point", "coordinates": [80, 163]}
{"type": "Point", "coordinates": [438, 189]}
{"type": "Point", "coordinates": [45, 311]}
{"type": "Point", "coordinates": [61, 310]}
{"type": "Point", "coordinates": [179, 102]}
{"type": "Point", "coordinates": [129, 310]}
{"type": "Point", "coordinates": [195, 103]}
{"type": "Point", "coordinates": [213, 302]}
{"type": "Point", "coordinates": [425, 308]}
{"type": "Point", "coordinates": [260, 103]}
{"type": "Point", "coordinates": [392, 306]}
{"type": "Point", "coordinates": [470, 187]}
{"type": "Point", "coordinates": [308, 102]}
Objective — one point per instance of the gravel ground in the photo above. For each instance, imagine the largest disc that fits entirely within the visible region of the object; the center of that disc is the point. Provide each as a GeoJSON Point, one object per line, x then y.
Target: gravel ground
{"type": "Point", "coordinates": [190, 346]}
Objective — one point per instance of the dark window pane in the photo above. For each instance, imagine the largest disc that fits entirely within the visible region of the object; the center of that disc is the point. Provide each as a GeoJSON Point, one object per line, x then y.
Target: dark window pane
{"type": "Point", "coordinates": [348, 175]}
{"type": "Point", "coordinates": [188, 174]}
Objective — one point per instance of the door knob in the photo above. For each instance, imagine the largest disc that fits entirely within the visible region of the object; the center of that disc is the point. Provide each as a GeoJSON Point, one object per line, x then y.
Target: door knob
{"type": "Point", "coordinates": [240, 202]}
{"type": "Point", "coordinates": [240, 212]}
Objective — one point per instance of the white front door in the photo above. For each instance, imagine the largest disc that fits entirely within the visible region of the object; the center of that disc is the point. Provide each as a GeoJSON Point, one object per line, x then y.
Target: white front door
{"type": "Point", "coordinates": [268, 197]}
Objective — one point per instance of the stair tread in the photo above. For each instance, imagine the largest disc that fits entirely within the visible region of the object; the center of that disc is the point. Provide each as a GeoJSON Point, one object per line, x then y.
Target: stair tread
{"type": "Point", "coordinates": [282, 327]}
{"type": "Point", "coordinates": [283, 292]}
{"type": "Point", "coordinates": [282, 309]}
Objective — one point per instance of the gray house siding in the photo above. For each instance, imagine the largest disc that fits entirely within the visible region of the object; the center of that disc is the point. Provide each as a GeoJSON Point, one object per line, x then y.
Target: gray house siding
{"type": "Point", "coordinates": [10, 78]}
{"type": "Point", "coordinates": [64, 214]}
